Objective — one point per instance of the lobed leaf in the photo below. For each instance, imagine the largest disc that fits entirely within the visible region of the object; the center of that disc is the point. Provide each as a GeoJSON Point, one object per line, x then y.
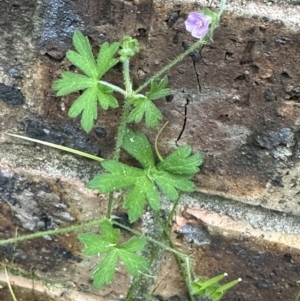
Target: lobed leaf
{"type": "Point", "coordinates": [135, 200]}
{"type": "Point", "coordinates": [109, 233]}
{"type": "Point", "coordinates": [171, 175]}
{"type": "Point", "coordinates": [109, 243]}
{"type": "Point", "coordinates": [84, 59]}
{"type": "Point", "coordinates": [121, 176]}
{"type": "Point", "coordinates": [158, 90]}
{"type": "Point", "coordinates": [105, 98]}
{"type": "Point", "coordinates": [105, 270]}
{"type": "Point", "coordinates": [72, 82]}
{"type": "Point", "coordinates": [170, 183]}
{"type": "Point", "coordinates": [86, 104]}
{"type": "Point", "coordinates": [134, 244]}
{"type": "Point", "coordinates": [181, 162]}
{"type": "Point", "coordinates": [133, 262]}
{"type": "Point", "coordinates": [106, 58]}
{"type": "Point", "coordinates": [93, 243]}
{"type": "Point", "coordinates": [138, 146]}
{"type": "Point", "coordinates": [145, 108]}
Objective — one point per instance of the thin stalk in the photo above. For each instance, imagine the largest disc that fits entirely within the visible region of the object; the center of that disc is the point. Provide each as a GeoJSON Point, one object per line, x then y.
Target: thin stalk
{"type": "Point", "coordinates": [222, 8]}
{"type": "Point", "coordinates": [135, 285]}
{"type": "Point", "coordinates": [156, 142]}
{"type": "Point", "coordinates": [122, 126]}
{"type": "Point", "coordinates": [185, 273]}
{"type": "Point", "coordinates": [119, 141]}
{"type": "Point", "coordinates": [155, 241]}
{"type": "Point", "coordinates": [60, 147]}
{"type": "Point", "coordinates": [126, 75]}
{"type": "Point", "coordinates": [125, 113]}
{"type": "Point", "coordinates": [9, 286]}
{"type": "Point", "coordinates": [141, 276]}
{"type": "Point", "coordinates": [52, 232]}
{"type": "Point", "coordinates": [170, 65]}
{"type": "Point", "coordinates": [113, 87]}
{"type": "Point", "coordinates": [297, 297]}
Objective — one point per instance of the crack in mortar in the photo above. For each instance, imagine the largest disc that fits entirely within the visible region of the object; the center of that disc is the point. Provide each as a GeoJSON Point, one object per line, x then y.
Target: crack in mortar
{"type": "Point", "coordinates": [196, 57]}
{"type": "Point", "coordinates": [184, 120]}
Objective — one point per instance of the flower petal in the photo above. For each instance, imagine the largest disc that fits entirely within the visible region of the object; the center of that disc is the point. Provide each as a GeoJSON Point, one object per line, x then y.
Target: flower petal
{"type": "Point", "coordinates": [189, 25]}
{"type": "Point", "coordinates": [198, 32]}
{"type": "Point", "coordinates": [195, 17]}
{"type": "Point", "coordinates": [197, 24]}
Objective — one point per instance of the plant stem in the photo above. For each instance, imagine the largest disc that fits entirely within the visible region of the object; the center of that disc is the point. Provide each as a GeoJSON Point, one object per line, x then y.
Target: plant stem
{"type": "Point", "coordinates": [52, 232]}
{"type": "Point", "coordinates": [112, 86]}
{"type": "Point", "coordinates": [127, 80]}
{"type": "Point", "coordinates": [60, 147]}
{"type": "Point", "coordinates": [155, 241]}
{"type": "Point", "coordinates": [297, 297]}
{"type": "Point", "coordinates": [9, 286]}
{"type": "Point", "coordinates": [156, 142]}
{"type": "Point", "coordinates": [170, 65]}
{"type": "Point", "coordinates": [140, 278]}
{"type": "Point", "coordinates": [185, 273]}
{"type": "Point", "coordinates": [119, 141]}
{"type": "Point", "coordinates": [221, 8]}
{"type": "Point", "coordinates": [122, 126]}
{"type": "Point", "coordinates": [155, 253]}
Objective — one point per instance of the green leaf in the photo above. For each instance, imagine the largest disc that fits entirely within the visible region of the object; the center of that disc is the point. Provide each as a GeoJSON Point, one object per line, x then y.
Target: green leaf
{"type": "Point", "coordinates": [124, 176]}
{"type": "Point", "coordinates": [170, 183]}
{"type": "Point", "coordinates": [109, 242]}
{"type": "Point", "coordinates": [133, 262]}
{"type": "Point", "coordinates": [146, 107]}
{"type": "Point", "coordinates": [105, 270]}
{"type": "Point", "coordinates": [220, 291]}
{"type": "Point", "coordinates": [171, 175]}
{"type": "Point", "coordinates": [83, 58]}
{"type": "Point", "coordinates": [138, 146]}
{"type": "Point", "coordinates": [105, 97]}
{"type": "Point", "coordinates": [93, 243]}
{"type": "Point", "coordinates": [158, 90]}
{"type": "Point", "coordinates": [106, 58]}
{"type": "Point", "coordinates": [72, 82]}
{"type": "Point", "coordinates": [134, 244]}
{"type": "Point", "coordinates": [211, 288]}
{"type": "Point", "coordinates": [87, 104]}
{"type": "Point", "coordinates": [134, 201]}
{"type": "Point", "coordinates": [120, 176]}
{"type": "Point", "coordinates": [181, 162]}
{"type": "Point", "coordinates": [109, 233]}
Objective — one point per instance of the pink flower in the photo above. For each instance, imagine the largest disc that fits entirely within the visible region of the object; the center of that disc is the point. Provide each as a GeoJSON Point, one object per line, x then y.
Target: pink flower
{"type": "Point", "coordinates": [197, 24]}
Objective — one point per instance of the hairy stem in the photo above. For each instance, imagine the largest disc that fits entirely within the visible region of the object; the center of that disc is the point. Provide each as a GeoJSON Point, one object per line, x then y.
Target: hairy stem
{"type": "Point", "coordinates": [155, 241]}
{"type": "Point", "coordinates": [185, 272]}
{"type": "Point", "coordinates": [52, 232]}
{"type": "Point", "coordinates": [170, 65]}
{"type": "Point", "coordinates": [122, 126]}
{"type": "Point", "coordinates": [126, 75]}
{"type": "Point", "coordinates": [222, 7]}
{"type": "Point", "coordinates": [113, 87]}
{"type": "Point", "coordinates": [136, 284]}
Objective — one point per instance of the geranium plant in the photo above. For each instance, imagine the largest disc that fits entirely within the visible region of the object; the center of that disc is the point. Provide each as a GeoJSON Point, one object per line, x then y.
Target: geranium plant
{"type": "Point", "coordinates": [141, 184]}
